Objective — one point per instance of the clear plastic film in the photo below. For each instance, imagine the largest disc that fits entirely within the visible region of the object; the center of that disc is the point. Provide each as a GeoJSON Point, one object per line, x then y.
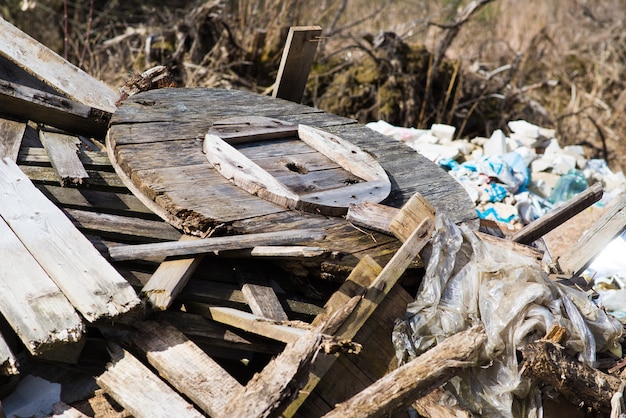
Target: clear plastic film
{"type": "Point", "coordinates": [469, 281]}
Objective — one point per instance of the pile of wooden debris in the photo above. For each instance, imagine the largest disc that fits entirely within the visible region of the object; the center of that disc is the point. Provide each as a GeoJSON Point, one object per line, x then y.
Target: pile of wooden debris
{"type": "Point", "coordinates": [218, 335]}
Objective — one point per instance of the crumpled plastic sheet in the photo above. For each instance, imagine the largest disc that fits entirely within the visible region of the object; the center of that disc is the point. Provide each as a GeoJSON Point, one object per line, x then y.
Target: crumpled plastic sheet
{"type": "Point", "coordinates": [469, 281]}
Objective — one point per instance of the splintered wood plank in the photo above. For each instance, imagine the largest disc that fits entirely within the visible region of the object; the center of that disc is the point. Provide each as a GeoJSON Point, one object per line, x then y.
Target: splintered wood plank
{"type": "Point", "coordinates": [374, 216]}
{"type": "Point", "coordinates": [296, 62]}
{"type": "Point", "coordinates": [410, 215]}
{"type": "Point", "coordinates": [203, 246]}
{"type": "Point", "coordinates": [186, 366]}
{"type": "Point", "coordinates": [418, 377]}
{"type": "Point", "coordinates": [63, 152]}
{"type": "Point", "coordinates": [55, 71]}
{"type": "Point", "coordinates": [169, 279]}
{"type": "Point", "coordinates": [32, 304]}
{"type": "Point", "coordinates": [140, 391]}
{"type": "Point", "coordinates": [604, 230]}
{"type": "Point", "coordinates": [88, 281]}
{"type": "Point", "coordinates": [11, 134]}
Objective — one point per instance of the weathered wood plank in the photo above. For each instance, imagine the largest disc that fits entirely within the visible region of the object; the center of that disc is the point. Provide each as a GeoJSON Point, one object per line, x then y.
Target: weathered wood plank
{"type": "Point", "coordinates": [55, 71]}
{"type": "Point", "coordinates": [169, 280]}
{"type": "Point", "coordinates": [50, 109]}
{"type": "Point", "coordinates": [138, 390]}
{"type": "Point", "coordinates": [63, 152]}
{"type": "Point", "coordinates": [97, 179]}
{"type": "Point", "coordinates": [93, 160]}
{"type": "Point", "coordinates": [296, 62]}
{"type": "Point", "coordinates": [603, 231]}
{"type": "Point", "coordinates": [89, 282]}
{"type": "Point", "coordinates": [558, 215]}
{"type": "Point", "coordinates": [248, 322]}
{"type": "Point", "coordinates": [32, 304]}
{"type": "Point", "coordinates": [203, 246]}
{"type": "Point", "coordinates": [430, 370]}
{"type": "Point", "coordinates": [374, 216]}
{"type": "Point", "coordinates": [186, 366]}
{"type": "Point", "coordinates": [11, 134]}
{"type": "Point", "coordinates": [263, 301]}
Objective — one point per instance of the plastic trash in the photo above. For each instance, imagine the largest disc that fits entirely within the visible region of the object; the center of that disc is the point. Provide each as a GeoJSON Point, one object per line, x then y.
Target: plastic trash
{"type": "Point", "coordinates": [568, 186]}
{"type": "Point", "coordinates": [469, 282]}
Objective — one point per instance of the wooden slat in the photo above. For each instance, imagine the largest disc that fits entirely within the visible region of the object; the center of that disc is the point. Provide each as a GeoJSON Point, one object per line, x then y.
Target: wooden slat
{"type": "Point", "coordinates": [374, 216]}
{"type": "Point", "coordinates": [138, 390]}
{"type": "Point", "coordinates": [55, 71]}
{"type": "Point", "coordinates": [92, 160]}
{"type": "Point", "coordinates": [247, 322]}
{"type": "Point", "coordinates": [186, 366]}
{"type": "Point", "coordinates": [89, 282]}
{"type": "Point", "coordinates": [63, 152]}
{"type": "Point", "coordinates": [169, 280]}
{"type": "Point", "coordinates": [595, 239]}
{"type": "Point", "coordinates": [11, 134]}
{"type": "Point", "coordinates": [296, 62]}
{"type": "Point", "coordinates": [50, 109]}
{"type": "Point", "coordinates": [202, 246]}
{"type": "Point", "coordinates": [32, 304]}
{"type": "Point", "coordinates": [410, 215]}
{"type": "Point", "coordinates": [559, 215]}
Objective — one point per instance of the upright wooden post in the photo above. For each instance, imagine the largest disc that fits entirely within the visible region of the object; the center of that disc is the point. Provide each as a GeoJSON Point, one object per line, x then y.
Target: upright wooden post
{"type": "Point", "coordinates": [296, 62]}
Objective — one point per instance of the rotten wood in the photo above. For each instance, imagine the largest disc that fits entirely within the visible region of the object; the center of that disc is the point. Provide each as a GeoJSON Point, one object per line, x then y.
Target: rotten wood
{"type": "Point", "coordinates": [63, 152]}
{"type": "Point", "coordinates": [186, 366]}
{"type": "Point", "coordinates": [602, 232]}
{"type": "Point", "coordinates": [296, 62]}
{"type": "Point", "coordinates": [206, 245]}
{"type": "Point", "coordinates": [53, 70]}
{"type": "Point", "coordinates": [169, 279]}
{"type": "Point", "coordinates": [11, 134]}
{"type": "Point", "coordinates": [403, 386]}
{"type": "Point", "coordinates": [140, 391]}
{"type": "Point", "coordinates": [579, 383]}
{"type": "Point", "coordinates": [558, 215]}
{"type": "Point", "coordinates": [88, 281]}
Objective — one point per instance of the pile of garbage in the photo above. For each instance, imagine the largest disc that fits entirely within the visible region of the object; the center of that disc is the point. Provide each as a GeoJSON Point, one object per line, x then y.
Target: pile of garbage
{"type": "Point", "coordinates": [515, 178]}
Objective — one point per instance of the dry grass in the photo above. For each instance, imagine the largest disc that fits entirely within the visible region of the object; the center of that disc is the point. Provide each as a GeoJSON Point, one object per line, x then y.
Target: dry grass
{"type": "Point", "coordinates": [558, 63]}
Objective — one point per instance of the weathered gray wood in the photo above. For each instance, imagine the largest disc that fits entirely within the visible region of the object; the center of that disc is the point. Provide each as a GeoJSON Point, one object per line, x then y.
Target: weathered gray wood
{"type": "Point", "coordinates": [32, 304]}
{"type": "Point", "coordinates": [97, 179]}
{"type": "Point", "coordinates": [52, 69]}
{"type": "Point", "coordinates": [559, 215]}
{"type": "Point", "coordinates": [58, 111]}
{"type": "Point", "coordinates": [169, 280]}
{"type": "Point", "coordinates": [63, 152]}
{"type": "Point", "coordinates": [92, 160]}
{"type": "Point", "coordinates": [430, 370]}
{"type": "Point", "coordinates": [371, 215]}
{"type": "Point", "coordinates": [89, 282]}
{"type": "Point", "coordinates": [263, 301]}
{"type": "Point", "coordinates": [11, 134]}
{"type": "Point", "coordinates": [186, 366]}
{"type": "Point", "coordinates": [138, 390]}
{"type": "Point", "coordinates": [296, 62]}
{"type": "Point", "coordinates": [603, 231]}
{"type": "Point", "coordinates": [203, 246]}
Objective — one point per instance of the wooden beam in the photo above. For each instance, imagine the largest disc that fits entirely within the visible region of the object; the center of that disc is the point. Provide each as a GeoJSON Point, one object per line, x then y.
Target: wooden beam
{"type": "Point", "coordinates": [595, 239]}
{"type": "Point", "coordinates": [186, 366]}
{"type": "Point", "coordinates": [50, 109]}
{"type": "Point", "coordinates": [206, 245]}
{"type": "Point", "coordinates": [11, 134]}
{"type": "Point", "coordinates": [53, 70]}
{"type": "Point", "coordinates": [88, 281]}
{"type": "Point", "coordinates": [416, 378]}
{"type": "Point", "coordinates": [33, 305]}
{"type": "Point", "coordinates": [63, 152]}
{"type": "Point", "coordinates": [559, 215]}
{"type": "Point", "coordinates": [296, 62]}
{"type": "Point", "coordinates": [169, 279]}
{"type": "Point", "coordinates": [139, 391]}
